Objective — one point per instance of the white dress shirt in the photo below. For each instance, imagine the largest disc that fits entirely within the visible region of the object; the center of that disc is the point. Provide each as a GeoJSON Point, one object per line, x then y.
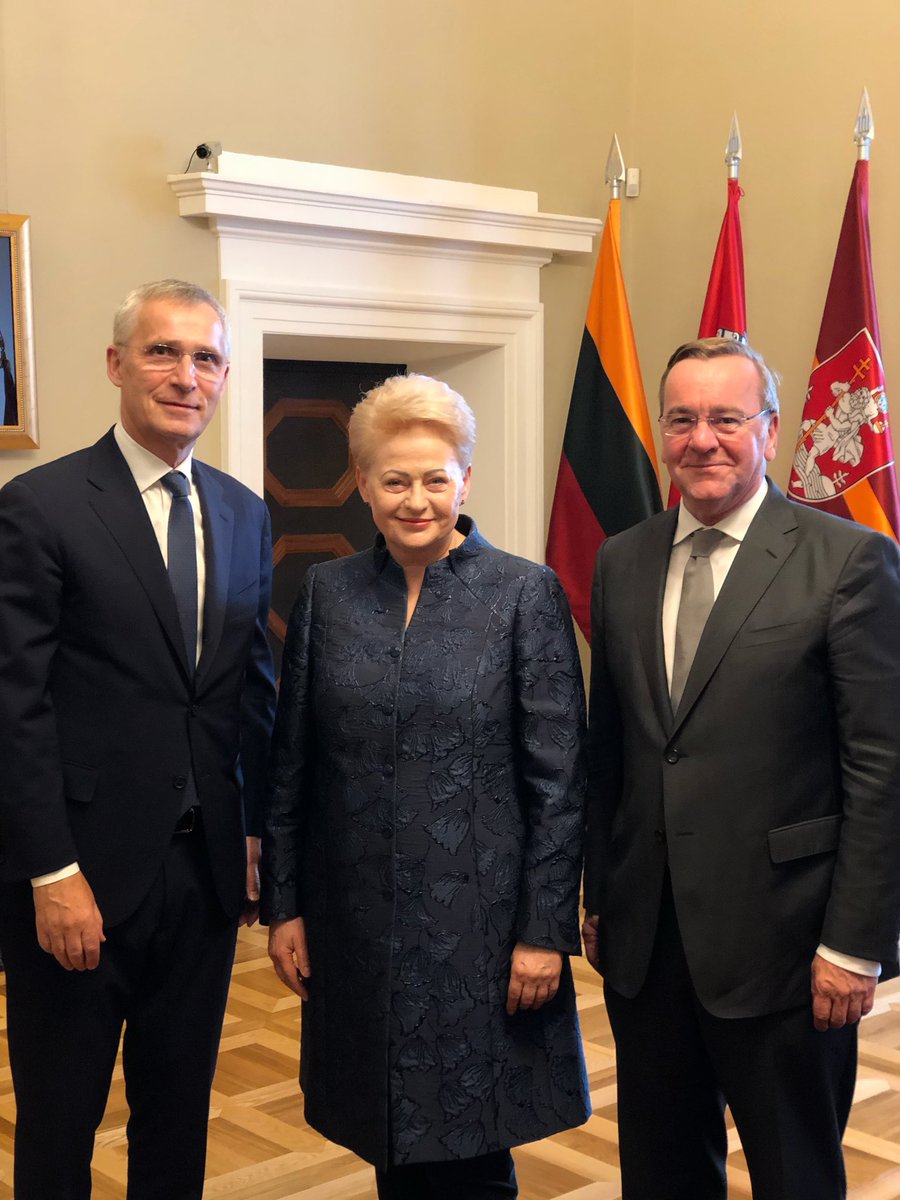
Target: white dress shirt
{"type": "Point", "coordinates": [148, 471]}
{"type": "Point", "coordinates": [735, 527]}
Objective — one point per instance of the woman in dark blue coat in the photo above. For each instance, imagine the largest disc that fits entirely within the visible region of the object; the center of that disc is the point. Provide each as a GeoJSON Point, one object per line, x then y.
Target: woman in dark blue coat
{"type": "Point", "coordinates": [423, 847]}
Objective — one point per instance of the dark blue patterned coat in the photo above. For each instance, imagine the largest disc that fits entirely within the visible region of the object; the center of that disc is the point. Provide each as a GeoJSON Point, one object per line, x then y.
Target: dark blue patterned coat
{"type": "Point", "coordinates": [426, 815]}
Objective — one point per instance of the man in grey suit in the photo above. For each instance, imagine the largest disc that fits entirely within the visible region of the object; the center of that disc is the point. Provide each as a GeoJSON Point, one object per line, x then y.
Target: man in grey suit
{"type": "Point", "coordinates": [742, 884]}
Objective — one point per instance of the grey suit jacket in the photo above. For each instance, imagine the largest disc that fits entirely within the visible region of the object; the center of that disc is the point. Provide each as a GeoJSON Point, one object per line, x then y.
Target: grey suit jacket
{"type": "Point", "coordinates": [773, 793]}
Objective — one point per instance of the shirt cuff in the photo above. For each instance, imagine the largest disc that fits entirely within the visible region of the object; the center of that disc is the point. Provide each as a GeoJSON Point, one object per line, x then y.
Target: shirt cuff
{"type": "Point", "coordinates": [55, 876]}
{"type": "Point", "coordinates": [861, 966]}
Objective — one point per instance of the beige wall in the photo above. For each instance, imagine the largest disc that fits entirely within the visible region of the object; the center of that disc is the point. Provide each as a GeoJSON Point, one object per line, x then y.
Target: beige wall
{"type": "Point", "coordinates": [100, 101]}
{"type": "Point", "coordinates": [794, 70]}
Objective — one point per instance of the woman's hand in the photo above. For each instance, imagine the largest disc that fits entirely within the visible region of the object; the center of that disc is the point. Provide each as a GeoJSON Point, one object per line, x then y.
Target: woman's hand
{"type": "Point", "coordinates": [533, 977]}
{"type": "Point", "coordinates": [289, 955]}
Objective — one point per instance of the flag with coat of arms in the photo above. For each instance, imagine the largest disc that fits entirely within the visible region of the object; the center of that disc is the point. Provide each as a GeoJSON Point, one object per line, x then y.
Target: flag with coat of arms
{"type": "Point", "coordinates": [844, 456]}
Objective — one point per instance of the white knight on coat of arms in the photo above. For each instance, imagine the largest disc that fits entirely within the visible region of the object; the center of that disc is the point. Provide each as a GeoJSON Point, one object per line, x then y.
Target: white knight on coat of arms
{"type": "Point", "coordinates": [841, 436]}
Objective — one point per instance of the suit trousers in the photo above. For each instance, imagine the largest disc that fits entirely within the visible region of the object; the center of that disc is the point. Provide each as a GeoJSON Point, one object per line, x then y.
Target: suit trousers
{"type": "Point", "coordinates": [163, 973]}
{"type": "Point", "coordinates": [789, 1089]}
{"type": "Point", "coordinates": [485, 1177]}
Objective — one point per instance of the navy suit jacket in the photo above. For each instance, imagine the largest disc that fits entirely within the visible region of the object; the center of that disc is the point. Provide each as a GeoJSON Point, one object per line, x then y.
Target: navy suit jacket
{"type": "Point", "coordinates": [773, 793]}
{"type": "Point", "coordinates": [102, 723]}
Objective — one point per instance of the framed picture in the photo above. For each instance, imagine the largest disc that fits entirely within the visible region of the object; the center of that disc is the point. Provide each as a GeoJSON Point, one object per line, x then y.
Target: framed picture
{"type": "Point", "coordinates": [18, 401]}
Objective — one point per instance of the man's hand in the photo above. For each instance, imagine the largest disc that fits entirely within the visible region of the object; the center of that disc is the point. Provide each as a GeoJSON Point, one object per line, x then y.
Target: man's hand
{"type": "Point", "coordinates": [591, 940]}
{"type": "Point", "coordinates": [289, 955]}
{"type": "Point", "coordinates": [250, 910]}
{"type": "Point", "coordinates": [840, 997]}
{"type": "Point", "coordinates": [68, 921]}
{"type": "Point", "coordinates": [533, 977]}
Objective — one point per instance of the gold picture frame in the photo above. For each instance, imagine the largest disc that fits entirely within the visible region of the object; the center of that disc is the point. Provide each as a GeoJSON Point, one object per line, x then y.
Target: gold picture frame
{"type": "Point", "coordinates": [18, 399]}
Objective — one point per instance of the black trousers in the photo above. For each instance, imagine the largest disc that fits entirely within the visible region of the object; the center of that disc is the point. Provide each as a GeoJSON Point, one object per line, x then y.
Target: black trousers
{"type": "Point", "coordinates": [163, 973]}
{"type": "Point", "coordinates": [487, 1177]}
{"type": "Point", "coordinates": [789, 1089]}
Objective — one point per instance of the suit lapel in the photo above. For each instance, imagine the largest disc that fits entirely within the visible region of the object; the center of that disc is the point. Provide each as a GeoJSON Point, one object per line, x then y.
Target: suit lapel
{"type": "Point", "coordinates": [650, 569]}
{"type": "Point", "coordinates": [118, 504]}
{"type": "Point", "coordinates": [769, 543]}
{"type": "Point", "coordinates": [218, 529]}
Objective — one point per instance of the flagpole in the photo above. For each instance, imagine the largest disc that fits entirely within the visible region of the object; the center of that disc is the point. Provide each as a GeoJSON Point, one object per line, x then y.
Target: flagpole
{"type": "Point", "coordinates": [864, 129]}
{"type": "Point", "coordinates": [734, 149]}
{"type": "Point", "coordinates": [615, 169]}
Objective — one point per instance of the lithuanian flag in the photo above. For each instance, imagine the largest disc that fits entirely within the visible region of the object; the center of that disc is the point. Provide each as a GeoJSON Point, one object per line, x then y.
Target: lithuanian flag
{"type": "Point", "coordinates": [608, 477]}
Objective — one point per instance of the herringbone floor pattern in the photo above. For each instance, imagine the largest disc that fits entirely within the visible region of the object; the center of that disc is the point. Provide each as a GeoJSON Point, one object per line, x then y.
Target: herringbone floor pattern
{"type": "Point", "coordinates": [260, 1148]}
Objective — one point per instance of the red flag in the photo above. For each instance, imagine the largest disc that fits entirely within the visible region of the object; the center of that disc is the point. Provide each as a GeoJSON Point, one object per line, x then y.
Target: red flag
{"type": "Point", "coordinates": [725, 307]}
{"type": "Point", "coordinates": [844, 458]}
{"type": "Point", "coordinates": [608, 478]}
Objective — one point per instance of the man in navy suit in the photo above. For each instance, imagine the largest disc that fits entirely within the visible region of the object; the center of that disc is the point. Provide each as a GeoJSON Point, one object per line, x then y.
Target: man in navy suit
{"type": "Point", "coordinates": [742, 878]}
{"type": "Point", "coordinates": [135, 713]}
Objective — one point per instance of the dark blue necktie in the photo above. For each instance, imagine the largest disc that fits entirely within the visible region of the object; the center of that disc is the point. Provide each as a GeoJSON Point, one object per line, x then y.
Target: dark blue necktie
{"type": "Point", "coordinates": [182, 548]}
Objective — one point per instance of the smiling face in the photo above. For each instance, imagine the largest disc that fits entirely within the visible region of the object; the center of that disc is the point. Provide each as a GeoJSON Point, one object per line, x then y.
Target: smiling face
{"type": "Point", "coordinates": [166, 410]}
{"type": "Point", "coordinates": [717, 475]}
{"type": "Point", "coordinates": [415, 487]}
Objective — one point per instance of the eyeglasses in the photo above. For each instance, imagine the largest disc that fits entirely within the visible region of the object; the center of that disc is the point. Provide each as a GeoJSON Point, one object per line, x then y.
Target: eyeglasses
{"type": "Point", "coordinates": [723, 425]}
{"type": "Point", "coordinates": [164, 357]}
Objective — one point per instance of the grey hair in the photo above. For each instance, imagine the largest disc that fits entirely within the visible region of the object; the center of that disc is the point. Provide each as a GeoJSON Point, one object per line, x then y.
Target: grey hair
{"type": "Point", "coordinates": [721, 347]}
{"type": "Point", "coordinates": [175, 290]}
{"type": "Point", "coordinates": [405, 400]}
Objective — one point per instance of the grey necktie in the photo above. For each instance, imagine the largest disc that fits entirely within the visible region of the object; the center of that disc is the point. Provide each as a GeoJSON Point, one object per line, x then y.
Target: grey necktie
{"type": "Point", "coordinates": [182, 552]}
{"type": "Point", "coordinates": [696, 601]}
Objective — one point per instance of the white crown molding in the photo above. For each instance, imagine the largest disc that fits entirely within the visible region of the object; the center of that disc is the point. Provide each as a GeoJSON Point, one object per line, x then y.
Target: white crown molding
{"type": "Point", "coordinates": [247, 192]}
{"type": "Point", "coordinates": [323, 262]}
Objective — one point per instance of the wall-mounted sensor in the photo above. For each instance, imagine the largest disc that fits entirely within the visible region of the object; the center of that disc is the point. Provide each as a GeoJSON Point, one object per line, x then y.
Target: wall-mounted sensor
{"type": "Point", "coordinates": [203, 157]}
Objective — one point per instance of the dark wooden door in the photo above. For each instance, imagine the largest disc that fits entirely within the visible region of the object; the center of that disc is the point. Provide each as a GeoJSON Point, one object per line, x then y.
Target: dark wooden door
{"type": "Point", "coordinates": [311, 491]}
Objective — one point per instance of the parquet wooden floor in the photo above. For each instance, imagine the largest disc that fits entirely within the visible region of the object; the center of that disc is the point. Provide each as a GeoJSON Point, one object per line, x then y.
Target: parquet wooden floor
{"type": "Point", "coordinates": [260, 1148]}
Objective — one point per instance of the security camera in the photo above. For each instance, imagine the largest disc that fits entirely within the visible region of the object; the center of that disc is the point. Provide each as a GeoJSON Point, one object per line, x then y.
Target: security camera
{"type": "Point", "coordinates": [203, 157]}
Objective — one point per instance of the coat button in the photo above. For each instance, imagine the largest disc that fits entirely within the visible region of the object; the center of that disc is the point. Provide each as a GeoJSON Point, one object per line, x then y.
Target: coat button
{"type": "Point", "coordinates": [659, 835]}
{"type": "Point", "coordinates": [388, 771]}
{"type": "Point", "coordinates": [672, 756]}
{"type": "Point", "coordinates": [395, 651]}
{"type": "Point", "coordinates": [179, 782]}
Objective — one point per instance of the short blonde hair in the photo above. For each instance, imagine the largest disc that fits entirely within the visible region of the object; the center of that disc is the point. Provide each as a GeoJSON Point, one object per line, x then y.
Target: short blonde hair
{"type": "Point", "coordinates": [405, 400]}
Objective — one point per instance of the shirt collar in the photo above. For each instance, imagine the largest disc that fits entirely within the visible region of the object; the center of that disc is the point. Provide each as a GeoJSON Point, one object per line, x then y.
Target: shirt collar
{"type": "Point", "coordinates": [146, 468]}
{"type": "Point", "coordinates": [735, 525]}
